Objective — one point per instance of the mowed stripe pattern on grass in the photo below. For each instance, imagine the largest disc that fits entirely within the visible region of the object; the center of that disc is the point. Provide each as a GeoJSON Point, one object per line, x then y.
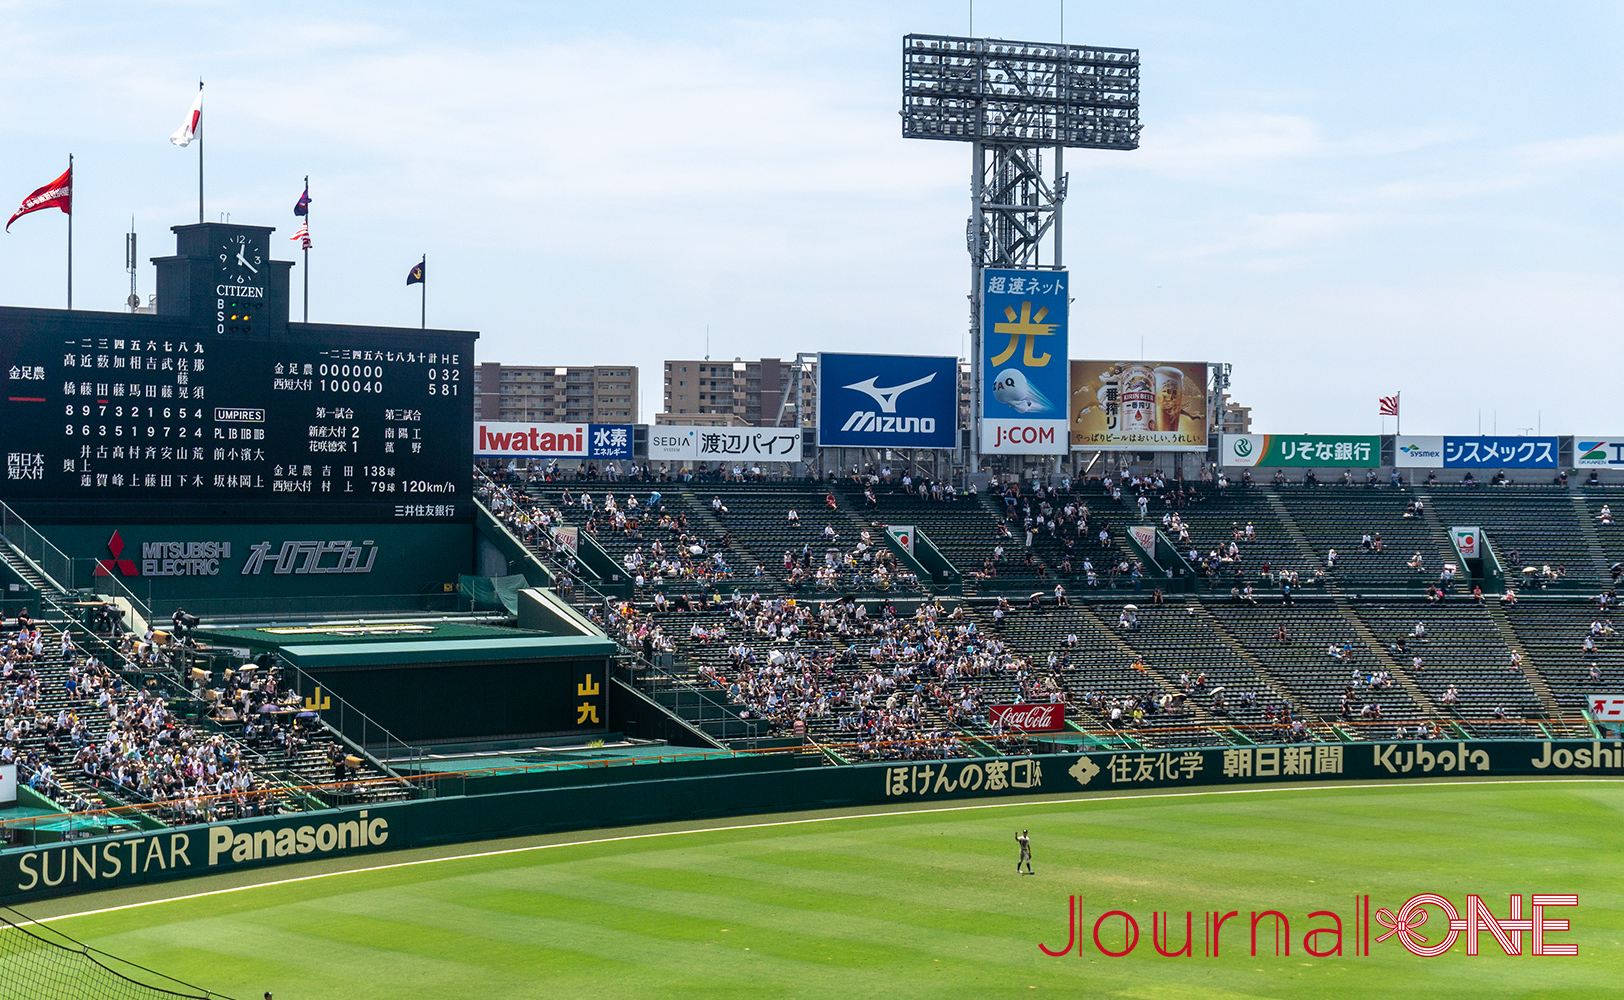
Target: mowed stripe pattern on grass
{"type": "Point", "coordinates": [925, 905]}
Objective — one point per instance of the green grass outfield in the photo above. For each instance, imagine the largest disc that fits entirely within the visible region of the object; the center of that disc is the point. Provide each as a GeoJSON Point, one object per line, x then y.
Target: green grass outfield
{"type": "Point", "coordinates": [911, 903]}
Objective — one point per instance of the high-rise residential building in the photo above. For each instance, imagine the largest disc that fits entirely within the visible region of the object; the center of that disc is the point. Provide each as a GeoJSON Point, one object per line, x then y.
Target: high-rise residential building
{"type": "Point", "coordinates": [599, 394]}
{"type": "Point", "coordinates": [736, 393]}
{"type": "Point", "coordinates": [1234, 418]}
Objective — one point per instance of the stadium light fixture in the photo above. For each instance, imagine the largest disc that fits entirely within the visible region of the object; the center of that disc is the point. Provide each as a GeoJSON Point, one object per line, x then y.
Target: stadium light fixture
{"type": "Point", "coordinates": [1011, 101]}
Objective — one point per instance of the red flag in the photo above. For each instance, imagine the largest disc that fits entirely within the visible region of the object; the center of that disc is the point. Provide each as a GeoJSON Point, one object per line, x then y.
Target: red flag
{"type": "Point", "coordinates": [1389, 406]}
{"type": "Point", "coordinates": [57, 194]}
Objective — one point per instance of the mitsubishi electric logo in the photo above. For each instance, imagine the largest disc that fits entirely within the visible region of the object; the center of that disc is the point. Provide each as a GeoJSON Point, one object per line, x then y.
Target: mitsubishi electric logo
{"type": "Point", "coordinates": [887, 398]}
{"type": "Point", "coordinates": [116, 566]}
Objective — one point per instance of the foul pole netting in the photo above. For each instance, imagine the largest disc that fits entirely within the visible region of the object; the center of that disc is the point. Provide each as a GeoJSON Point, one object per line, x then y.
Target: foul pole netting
{"type": "Point", "coordinates": [38, 962]}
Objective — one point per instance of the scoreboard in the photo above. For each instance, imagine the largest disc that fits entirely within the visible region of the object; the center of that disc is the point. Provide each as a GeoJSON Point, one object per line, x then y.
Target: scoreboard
{"type": "Point", "coordinates": [372, 425]}
{"type": "Point", "coordinates": [176, 416]}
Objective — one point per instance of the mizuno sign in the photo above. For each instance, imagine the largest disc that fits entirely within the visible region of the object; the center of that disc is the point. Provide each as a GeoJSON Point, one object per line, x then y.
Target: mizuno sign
{"type": "Point", "coordinates": [887, 401]}
{"type": "Point", "coordinates": [887, 398]}
{"type": "Point", "coordinates": [868, 420]}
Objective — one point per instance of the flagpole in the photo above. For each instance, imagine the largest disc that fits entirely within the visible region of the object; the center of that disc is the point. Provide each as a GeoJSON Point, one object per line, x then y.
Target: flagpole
{"type": "Point", "coordinates": [306, 244]}
{"type": "Point", "coordinates": [1398, 417]}
{"type": "Point", "coordinates": [70, 231]}
{"type": "Point", "coordinates": [200, 161]}
{"type": "Point", "coordinates": [424, 325]}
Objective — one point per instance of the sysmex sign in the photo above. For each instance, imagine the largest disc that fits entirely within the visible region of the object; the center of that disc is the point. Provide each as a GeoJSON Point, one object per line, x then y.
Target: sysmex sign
{"type": "Point", "coordinates": [887, 401]}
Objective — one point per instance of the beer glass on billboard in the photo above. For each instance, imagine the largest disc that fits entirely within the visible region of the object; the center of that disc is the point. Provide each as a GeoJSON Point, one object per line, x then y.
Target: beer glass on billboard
{"type": "Point", "coordinates": [1169, 398]}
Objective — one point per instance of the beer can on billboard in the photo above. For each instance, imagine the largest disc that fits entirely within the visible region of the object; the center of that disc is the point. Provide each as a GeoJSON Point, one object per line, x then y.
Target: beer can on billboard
{"type": "Point", "coordinates": [1136, 391]}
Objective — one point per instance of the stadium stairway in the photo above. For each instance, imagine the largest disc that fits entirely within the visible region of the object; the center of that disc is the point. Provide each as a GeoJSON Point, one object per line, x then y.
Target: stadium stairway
{"type": "Point", "coordinates": [1609, 537]}
{"type": "Point", "coordinates": [702, 517]}
{"type": "Point", "coordinates": [1280, 690]}
{"type": "Point", "coordinates": [1440, 537]}
{"type": "Point", "coordinates": [1302, 666]}
{"type": "Point", "coordinates": [1379, 650]}
{"type": "Point", "coordinates": [1282, 513]}
{"type": "Point", "coordinates": [1539, 523]}
{"type": "Point", "coordinates": [24, 570]}
{"type": "Point", "coordinates": [1131, 648]}
{"type": "Point", "coordinates": [1552, 630]}
{"type": "Point", "coordinates": [1462, 651]}
{"type": "Point", "coordinates": [1102, 665]}
{"type": "Point", "coordinates": [1560, 724]}
{"type": "Point", "coordinates": [1588, 530]}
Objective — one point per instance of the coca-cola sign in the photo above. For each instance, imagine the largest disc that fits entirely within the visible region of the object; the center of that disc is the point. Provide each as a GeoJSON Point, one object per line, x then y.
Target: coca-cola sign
{"type": "Point", "coordinates": [1031, 718]}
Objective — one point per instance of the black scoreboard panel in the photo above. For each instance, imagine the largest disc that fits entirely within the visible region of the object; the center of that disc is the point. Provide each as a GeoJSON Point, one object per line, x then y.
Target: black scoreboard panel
{"type": "Point", "coordinates": [145, 417]}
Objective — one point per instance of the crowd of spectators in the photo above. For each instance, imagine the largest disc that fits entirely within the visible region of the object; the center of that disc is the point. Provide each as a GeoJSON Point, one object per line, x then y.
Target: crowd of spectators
{"type": "Point", "coordinates": [115, 735]}
{"type": "Point", "coordinates": [880, 685]}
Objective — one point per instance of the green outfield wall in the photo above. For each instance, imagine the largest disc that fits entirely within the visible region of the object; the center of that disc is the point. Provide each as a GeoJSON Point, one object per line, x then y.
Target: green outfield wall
{"type": "Point", "coordinates": [694, 793]}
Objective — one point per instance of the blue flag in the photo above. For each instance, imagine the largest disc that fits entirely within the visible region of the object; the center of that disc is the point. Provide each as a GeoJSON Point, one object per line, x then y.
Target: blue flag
{"type": "Point", "coordinates": [415, 275]}
{"type": "Point", "coordinates": [302, 206]}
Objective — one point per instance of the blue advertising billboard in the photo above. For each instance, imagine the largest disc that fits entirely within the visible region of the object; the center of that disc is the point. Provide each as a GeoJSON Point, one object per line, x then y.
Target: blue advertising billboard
{"type": "Point", "coordinates": [1024, 367]}
{"type": "Point", "coordinates": [611, 441]}
{"type": "Point", "coordinates": [887, 401]}
{"type": "Point", "coordinates": [1491, 452]}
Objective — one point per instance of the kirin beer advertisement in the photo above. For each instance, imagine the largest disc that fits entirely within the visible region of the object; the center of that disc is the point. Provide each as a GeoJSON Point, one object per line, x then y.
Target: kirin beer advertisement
{"type": "Point", "coordinates": [1139, 405]}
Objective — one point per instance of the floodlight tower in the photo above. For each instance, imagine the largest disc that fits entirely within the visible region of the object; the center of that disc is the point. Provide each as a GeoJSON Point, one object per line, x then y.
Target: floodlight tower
{"type": "Point", "coordinates": [1011, 101]}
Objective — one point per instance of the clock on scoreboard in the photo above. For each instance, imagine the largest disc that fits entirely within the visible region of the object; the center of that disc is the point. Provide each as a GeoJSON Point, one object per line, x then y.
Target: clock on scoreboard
{"type": "Point", "coordinates": [219, 405]}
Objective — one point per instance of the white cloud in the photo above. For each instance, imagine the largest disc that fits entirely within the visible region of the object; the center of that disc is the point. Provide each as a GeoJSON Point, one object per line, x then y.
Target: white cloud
{"type": "Point", "coordinates": [605, 188]}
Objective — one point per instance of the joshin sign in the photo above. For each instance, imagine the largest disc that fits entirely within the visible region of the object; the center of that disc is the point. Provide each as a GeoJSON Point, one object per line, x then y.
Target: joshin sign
{"type": "Point", "coordinates": [1024, 371]}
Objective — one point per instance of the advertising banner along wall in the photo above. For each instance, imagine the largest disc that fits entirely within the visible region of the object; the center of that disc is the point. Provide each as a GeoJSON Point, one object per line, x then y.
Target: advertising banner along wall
{"type": "Point", "coordinates": [520, 440]}
{"type": "Point", "coordinates": [887, 401]}
{"type": "Point", "coordinates": [1500, 452]}
{"type": "Point", "coordinates": [1024, 371]}
{"type": "Point", "coordinates": [1438, 451]}
{"type": "Point", "coordinates": [1419, 451]}
{"type": "Point", "coordinates": [747, 445]}
{"type": "Point", "coordinates": [1593, 452]}
{"type": "Point", "coordinates": [1301, 449]}
{"type": "Point", "coordinates": [1139, 405]}
{"type": "Point", "coordinates": [53, 869]}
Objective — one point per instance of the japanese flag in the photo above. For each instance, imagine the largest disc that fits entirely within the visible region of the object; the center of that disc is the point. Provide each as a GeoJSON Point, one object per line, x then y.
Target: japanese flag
{"type": "Point", "coordinates": [184, 135]}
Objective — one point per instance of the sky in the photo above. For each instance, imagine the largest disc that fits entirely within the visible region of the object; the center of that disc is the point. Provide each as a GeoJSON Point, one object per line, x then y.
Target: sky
{"type": "Point", "coordinates": [1341, 200]}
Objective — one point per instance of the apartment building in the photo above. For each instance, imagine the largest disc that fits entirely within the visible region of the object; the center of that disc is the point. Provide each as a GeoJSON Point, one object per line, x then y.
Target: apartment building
{"type": "Point", "coordinates": [735, 393]}
{"type": "Point", "coordinates": [599, 394]}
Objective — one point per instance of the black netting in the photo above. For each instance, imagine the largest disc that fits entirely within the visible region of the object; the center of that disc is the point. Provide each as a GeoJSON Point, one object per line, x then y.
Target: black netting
{"type": "Point", "coordinates": [38, 962]}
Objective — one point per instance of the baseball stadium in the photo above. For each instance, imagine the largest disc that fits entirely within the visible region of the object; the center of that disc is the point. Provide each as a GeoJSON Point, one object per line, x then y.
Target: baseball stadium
{"type": "Point", "coordinates": [1021, 669]}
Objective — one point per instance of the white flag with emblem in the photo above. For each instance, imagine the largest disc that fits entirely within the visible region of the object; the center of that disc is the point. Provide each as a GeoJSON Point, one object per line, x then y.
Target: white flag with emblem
{"type": "Point", "coordinates": [184, 135]}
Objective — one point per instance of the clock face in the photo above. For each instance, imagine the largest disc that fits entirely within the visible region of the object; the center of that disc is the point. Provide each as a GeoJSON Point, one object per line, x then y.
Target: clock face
{"type": "Point", "coordinates": [241, 259]}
